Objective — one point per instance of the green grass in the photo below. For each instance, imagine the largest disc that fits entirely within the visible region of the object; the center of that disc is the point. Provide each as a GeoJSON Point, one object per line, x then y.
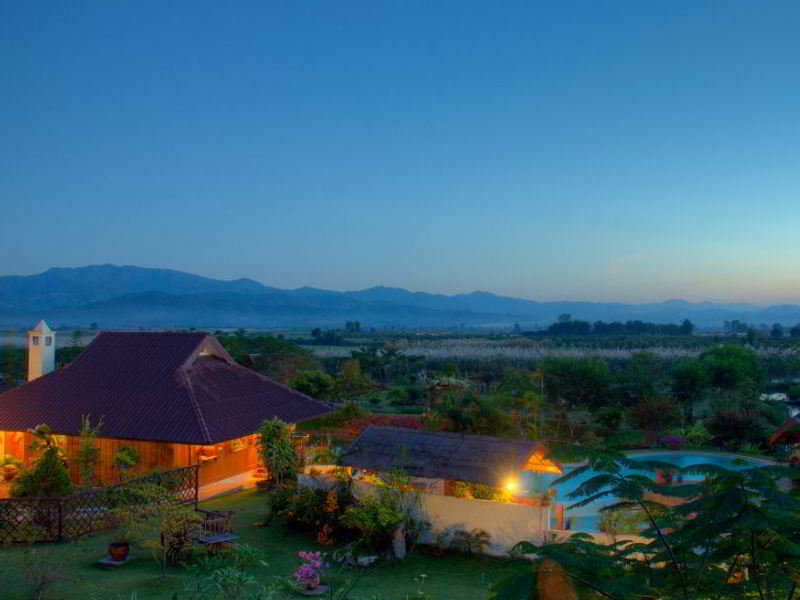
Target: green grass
{"type": "Point", "coordinates": [451, 576]}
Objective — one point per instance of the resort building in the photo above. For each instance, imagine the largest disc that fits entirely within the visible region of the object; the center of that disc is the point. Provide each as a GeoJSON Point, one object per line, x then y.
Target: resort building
{"type": "Point", "coordinates": [177, 398]}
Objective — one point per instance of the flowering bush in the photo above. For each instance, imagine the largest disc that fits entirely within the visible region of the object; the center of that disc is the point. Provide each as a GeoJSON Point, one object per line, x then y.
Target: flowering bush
{"type": "Point", "coordinates": [307, 575]}
{"type": "Point", "coordinates": [313, 511]}
{"type": "Point", "coordinates": [673, 442]}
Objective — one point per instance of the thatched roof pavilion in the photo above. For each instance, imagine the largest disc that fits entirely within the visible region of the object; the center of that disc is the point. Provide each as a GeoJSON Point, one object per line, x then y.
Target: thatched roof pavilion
{"type": "Point", "coordinates": [444, 455]}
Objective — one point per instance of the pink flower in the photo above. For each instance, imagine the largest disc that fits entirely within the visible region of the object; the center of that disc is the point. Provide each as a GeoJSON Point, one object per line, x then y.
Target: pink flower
{"type": "Point", "coordinates": [308, 573]}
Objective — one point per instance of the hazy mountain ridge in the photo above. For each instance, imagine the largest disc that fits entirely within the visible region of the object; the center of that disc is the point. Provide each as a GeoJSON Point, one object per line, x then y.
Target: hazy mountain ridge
{"type": "Point", "coordinates": [129, 296]}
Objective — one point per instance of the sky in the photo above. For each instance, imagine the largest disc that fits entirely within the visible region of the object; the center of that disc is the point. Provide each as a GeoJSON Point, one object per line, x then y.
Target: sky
{"type": "Point", "coordinates": [630, 151]}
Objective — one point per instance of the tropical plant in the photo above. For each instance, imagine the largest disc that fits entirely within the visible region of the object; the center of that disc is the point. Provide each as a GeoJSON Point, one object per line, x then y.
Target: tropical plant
{"type": "Point", "coordinates": [126, 458]}
{"type": "Point", "coordinates": [696, 435]}
{"type": "Point", "coordinates": [376, 519]}
{"type": "Point", "coordinates": [88, 454]}
{"type": "Point", "coordinates": [221, 576]}
{"type": "Point", "coordinates": [621, 522]}
{"type": "Point", "coordinates": [470, 542]}
{"type": "Point", "coordinates": [43, 438]}
{"type": "Point", "coordinates": [277, 450]}
{"type": "Point", "coordinates": [10, 459]}
{"type": "Point", "coordinates": [729, 536]}
{"type": "Point", "coordinates": [47, 478]}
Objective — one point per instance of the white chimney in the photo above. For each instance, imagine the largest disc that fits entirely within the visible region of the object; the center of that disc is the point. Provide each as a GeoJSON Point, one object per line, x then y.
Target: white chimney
{"type": "Point", "coordinates": [41, 351]}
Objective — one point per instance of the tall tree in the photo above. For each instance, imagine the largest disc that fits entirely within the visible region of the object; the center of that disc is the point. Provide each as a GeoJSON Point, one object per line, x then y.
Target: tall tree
{"type": "Point", "coordinates": [689, 384]}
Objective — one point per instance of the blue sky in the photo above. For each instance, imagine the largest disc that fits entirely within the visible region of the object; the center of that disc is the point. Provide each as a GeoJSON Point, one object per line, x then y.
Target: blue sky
{"type": "Point", "coordinates": [629, 151]}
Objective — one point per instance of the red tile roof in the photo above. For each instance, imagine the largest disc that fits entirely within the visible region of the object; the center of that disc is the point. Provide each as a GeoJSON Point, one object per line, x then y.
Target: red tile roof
{"type": "Point", "coordinates": [171, 387]}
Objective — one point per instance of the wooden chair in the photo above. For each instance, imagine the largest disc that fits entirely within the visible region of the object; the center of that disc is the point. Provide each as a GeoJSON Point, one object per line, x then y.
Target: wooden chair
{"type": "Point", "coordinates": [216, 529]}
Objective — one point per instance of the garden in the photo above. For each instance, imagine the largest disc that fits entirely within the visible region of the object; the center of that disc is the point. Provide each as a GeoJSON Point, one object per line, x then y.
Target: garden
{"type": "Point", "coordinates": [68, 571]}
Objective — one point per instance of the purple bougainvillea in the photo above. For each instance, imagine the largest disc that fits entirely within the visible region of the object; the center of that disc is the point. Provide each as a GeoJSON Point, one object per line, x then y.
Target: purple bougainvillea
{"type": "Point", "coordinates": [308, 574]}
{"type": "Point", "coordinates": [673, 442]}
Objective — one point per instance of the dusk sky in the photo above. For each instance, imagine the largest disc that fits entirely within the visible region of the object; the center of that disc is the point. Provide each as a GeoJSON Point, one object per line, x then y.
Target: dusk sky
{"type": "Point", "coordinates": [629, 151]}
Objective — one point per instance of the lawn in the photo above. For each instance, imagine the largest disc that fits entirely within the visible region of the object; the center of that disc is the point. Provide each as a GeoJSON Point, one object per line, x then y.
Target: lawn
{"type": "Point", "coordinates": [452, 576]}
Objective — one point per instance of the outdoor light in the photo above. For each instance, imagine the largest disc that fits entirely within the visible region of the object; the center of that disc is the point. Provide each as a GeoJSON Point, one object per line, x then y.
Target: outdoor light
{"type": "Point", "coordinates": [511, 485]}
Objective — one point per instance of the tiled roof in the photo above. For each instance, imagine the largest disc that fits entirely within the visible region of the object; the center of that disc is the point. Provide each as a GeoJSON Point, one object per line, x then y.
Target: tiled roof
{"type": "Point", "coordinates": [171, 387]}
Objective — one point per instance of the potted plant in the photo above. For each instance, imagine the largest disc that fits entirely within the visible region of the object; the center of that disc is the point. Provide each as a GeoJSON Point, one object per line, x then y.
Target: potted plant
{"type": "Point", "coordinates": [11, 466]}
{"type": "Point", "coordinates": [119, 546]}
{"type": "Point", "coordinates": [118, 551]}
{"type": "Point", "coordinates": [125, 459]}
{"type": "Point", "coordinates": [307, 575]}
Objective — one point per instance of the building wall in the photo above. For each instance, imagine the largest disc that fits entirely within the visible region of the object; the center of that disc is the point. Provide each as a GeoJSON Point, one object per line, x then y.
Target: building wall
{"type": "Point", "coordinates": [226, 459]}
{"type": "Point", "coordinates": [229, 458]}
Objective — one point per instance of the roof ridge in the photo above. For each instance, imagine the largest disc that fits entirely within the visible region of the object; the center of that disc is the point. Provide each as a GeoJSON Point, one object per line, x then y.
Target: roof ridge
{"type": "Point", "coordinates": [277, 383]}
{"type": "Point", "coordinates": [201, 420]}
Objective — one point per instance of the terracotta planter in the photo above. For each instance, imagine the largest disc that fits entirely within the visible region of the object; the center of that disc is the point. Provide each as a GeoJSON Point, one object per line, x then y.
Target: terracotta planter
{"type": "Point", "coordinates": [9, 472]}
{"type": "Point", "coordinates": [320, 589]}
{"type": "Point", "coordinates": [118, 551]}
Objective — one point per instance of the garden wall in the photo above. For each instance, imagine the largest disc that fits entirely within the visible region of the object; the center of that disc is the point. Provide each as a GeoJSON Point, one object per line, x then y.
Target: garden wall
{"type": "Point", "coordinates": [507, 523]}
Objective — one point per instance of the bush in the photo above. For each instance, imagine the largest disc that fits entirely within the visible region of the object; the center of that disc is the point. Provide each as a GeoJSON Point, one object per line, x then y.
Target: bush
{"type": "Point", "coordinates": [276, 449]}
{"type": "Point", "coordinates": [376, 520]}
{"type": "Point", "coordinates": [470, 542]}
{"type": "Point", "coordinates": [618, 522]}
{"type": "Point", "coordinates": [479, 491]}
{"type": "Point", "coordinates": [312, 510]}
{"type": "Point", "coordinates": [48, 478]}
{"type": "Point", "coordinates": [697, 435]}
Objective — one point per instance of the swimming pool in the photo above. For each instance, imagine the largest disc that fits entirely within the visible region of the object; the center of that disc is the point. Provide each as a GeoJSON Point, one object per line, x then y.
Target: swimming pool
{"type": "Point", "coordinates": [585, 518]}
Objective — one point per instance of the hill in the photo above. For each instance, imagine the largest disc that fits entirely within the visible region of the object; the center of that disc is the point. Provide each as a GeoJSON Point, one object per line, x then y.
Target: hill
{"type": "Point", "coordinates": [129, 296]}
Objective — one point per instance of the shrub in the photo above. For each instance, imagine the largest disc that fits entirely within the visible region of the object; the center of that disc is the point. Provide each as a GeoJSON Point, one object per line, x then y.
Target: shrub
{"type": "Point", "coordinates": [618, 522]}
{"type": "Point", "coordinates": [655, 415]}
{"type": "Point", "coordinates": [88, 455]}
{"type": "Point", "coordinates": [479, 491]}
{"type": "Point", "coordinates": [376, 520]}
{"type": "Point", "coordinates": [126, 458]}
{"type": "Point", "coordinates": [671, 441]}
{"type": "Point", "coordinates": [277, 450]}
{"type": "Point", "coordinates": [312, 510]}
{"type": "Point", "coordinates": [696, 435]}
{"type": "Point", "coordinates": [470, 542]}
{"type": "Point", "coordinates": [48, 478]}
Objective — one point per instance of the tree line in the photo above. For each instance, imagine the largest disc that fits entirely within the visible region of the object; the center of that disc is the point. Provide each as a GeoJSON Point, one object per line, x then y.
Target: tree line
{"type": "Point", "coordinates": [566, 325]}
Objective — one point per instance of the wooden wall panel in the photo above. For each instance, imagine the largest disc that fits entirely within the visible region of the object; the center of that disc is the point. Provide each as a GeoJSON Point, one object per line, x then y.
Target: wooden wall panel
{"type": "Point", "coordinates": [231, 457]}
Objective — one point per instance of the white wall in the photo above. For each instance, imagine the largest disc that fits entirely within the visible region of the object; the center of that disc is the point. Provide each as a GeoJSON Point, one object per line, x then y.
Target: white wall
{"type": "Point", "coordinates": [505, 522]}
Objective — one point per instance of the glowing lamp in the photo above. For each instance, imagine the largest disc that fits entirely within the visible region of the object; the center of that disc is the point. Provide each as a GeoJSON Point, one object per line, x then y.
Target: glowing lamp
{"type": "Point", "coordinates": [511, 485]}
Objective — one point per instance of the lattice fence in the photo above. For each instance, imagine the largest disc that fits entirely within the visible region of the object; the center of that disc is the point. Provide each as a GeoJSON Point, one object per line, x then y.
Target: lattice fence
{"type": "Point", "coordinates": [57, 519]}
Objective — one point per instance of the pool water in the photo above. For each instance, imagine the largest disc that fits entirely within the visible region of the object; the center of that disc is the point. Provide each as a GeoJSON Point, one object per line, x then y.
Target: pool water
{"type": "Point", "coordinates": [584, 518]}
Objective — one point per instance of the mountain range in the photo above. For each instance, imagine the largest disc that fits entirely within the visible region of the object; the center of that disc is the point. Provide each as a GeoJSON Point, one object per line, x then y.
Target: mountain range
{"type": "Point", "coordinates": [128, 296]}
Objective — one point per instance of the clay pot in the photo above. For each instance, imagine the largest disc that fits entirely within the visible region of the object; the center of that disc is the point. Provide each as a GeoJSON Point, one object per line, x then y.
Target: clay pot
{"type": "Point", "coordinates": [118, 550]}
{"type": "Point", "coordinates": [9, 472]}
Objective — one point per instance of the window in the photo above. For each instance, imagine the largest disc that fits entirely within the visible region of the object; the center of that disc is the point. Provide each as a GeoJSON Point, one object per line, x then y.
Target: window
{"type": "Point", "coordinates": [48, 341]}
{"type": "Point", "coordinates": [35, 340]}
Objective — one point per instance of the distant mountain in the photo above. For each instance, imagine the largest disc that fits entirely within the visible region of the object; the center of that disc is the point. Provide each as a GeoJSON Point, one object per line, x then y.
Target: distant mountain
{"type": "Point", "coordinates": [127, 296]}
{"type": "Point", "coordinates": [60, 287]}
